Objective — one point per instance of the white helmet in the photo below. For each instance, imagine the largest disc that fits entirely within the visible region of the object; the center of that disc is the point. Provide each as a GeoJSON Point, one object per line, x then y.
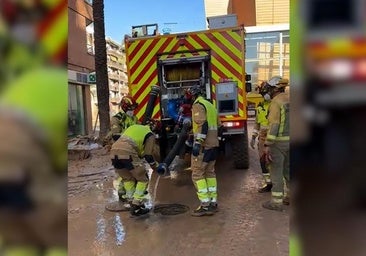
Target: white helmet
{"type": "Point", "coordinates": [278, 82]}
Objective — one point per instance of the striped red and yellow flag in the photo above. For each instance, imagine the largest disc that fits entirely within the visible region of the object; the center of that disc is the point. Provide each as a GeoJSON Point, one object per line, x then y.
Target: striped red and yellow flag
{"type": "Point", "coordinates": [226, 48]}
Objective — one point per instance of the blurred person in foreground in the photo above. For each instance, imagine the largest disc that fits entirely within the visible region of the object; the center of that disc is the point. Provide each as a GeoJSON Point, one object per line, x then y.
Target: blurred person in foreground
{"type": "Point", "coordinates": [33, 104]}
{"type": "Point", "coordinates": [130, 155]}
{"type": "Point", "coordinates": [260, 131]}
{"type": "Point", "coordinates": [277, 144]}
{"type": "Point", "coordinates": [33, 161]}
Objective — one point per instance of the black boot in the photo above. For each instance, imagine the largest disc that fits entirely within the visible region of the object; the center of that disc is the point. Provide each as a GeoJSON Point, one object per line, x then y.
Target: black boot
{"type": "Point", "coordinates": [202, 211]}
{"type": "Point", "coordinates": [266, 188]}
{"type": "Point", "coordinates": [213, 207]}
{"type": "Point", "coordinates": [138, 210]}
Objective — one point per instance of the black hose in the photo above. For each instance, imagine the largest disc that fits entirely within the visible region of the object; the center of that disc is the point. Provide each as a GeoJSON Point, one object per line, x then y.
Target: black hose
{"type": "Point", "coordinates": [177, 146]}
{"type": "Point", "coordinates": [155, 91]}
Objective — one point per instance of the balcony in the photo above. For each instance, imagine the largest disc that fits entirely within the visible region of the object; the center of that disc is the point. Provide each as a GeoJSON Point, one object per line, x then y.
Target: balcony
{"type": "Point", "coordinates": [114, 52]}
{"type": "Point", "coordinates": [114, 76]}
{"type": "Point", "coordinates": [116, 65]}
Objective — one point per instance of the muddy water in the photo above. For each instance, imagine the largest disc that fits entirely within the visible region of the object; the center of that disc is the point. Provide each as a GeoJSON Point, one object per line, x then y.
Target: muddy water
{"type": "Point", "coordinates": [241, 227]}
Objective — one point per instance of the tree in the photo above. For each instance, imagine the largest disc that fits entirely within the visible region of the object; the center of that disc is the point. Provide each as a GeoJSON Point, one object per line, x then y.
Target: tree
{"type": "Point", "coordinates": [101, 71]}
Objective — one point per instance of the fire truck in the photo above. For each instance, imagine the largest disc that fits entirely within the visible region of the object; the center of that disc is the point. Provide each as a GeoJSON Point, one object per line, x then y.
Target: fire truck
{"type": "Point", "coordinates": [169, 64]}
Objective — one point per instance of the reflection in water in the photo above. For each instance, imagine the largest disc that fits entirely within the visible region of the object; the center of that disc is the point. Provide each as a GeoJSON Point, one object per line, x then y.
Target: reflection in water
{"type": "Point", "coordinates": [101, 226]}
{"type": "Point", "coordinates": [119, 230]}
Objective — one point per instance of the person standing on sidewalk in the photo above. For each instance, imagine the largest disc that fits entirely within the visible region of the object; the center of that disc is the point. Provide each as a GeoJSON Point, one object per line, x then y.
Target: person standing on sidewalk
{"type": "Point", "coordinates": [260, 131]}
{"type": "Point", "coordinates": [277, 144]}
{"type": "Point", "coordinates": [204, 152]}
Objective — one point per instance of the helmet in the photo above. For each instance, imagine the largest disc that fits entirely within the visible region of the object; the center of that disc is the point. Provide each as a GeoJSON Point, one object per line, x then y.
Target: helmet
{"type": "Point", "coordinates": [128, 103]}
{"type": "Point", "coordinates": [263, 88]}
{"type": "Point", "coordinates": [278, 82]}
{"type": "Point", "coordinates": [195, 90]}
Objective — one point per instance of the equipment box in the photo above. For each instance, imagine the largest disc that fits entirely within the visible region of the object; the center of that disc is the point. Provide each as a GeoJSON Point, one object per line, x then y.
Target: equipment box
{"type": "Point", "coordinates": [222, 21]}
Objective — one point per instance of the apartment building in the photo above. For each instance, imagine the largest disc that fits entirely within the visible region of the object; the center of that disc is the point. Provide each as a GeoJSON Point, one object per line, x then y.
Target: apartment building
{"type": "Point", "coordinates": [117, 73]}
{"type": "Point", "coordinates": [80, 64]}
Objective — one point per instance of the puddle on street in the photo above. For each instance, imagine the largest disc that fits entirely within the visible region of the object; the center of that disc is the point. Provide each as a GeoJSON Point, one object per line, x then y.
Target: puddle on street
{"type": "Point", "coordinates": [119, 229]}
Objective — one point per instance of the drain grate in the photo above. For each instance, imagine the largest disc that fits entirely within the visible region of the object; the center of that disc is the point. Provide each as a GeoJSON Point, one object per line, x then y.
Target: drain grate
{"type": "Point", "coordinates": [170, 209]}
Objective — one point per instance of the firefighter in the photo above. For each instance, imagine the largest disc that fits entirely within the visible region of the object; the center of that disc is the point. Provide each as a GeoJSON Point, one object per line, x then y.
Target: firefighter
{"type": "Point", "coordinates": [124, 118]}
{"type": "Point", "coordinates": [129, 154]}
{"type": "Point", "coordinates": [33, 163]}
{"type": "Point", "coordinates": [260, 131]}
{"type": "Point", "coordinates": [277, 144]}
{"type": "Point", "coordinates": [119, 123]}
{"type": "Point", "coordinates": [204, 152]}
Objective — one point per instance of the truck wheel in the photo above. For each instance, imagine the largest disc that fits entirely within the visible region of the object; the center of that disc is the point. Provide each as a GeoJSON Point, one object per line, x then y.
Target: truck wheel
{"type": "Point", "coordinates": [239, 144]}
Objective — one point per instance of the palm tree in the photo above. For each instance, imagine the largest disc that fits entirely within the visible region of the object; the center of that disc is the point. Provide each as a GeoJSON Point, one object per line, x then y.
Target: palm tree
{"type": "Point", "coordinates": [101, 71]}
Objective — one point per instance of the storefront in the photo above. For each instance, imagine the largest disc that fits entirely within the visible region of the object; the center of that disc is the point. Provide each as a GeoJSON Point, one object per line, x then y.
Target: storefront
{"type": "Point", "coordinates": [79, 109]}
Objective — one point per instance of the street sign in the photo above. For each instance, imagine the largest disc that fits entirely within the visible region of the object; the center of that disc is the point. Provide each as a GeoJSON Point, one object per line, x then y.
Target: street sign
{"type": "Point", "coordinates": [92, 78]}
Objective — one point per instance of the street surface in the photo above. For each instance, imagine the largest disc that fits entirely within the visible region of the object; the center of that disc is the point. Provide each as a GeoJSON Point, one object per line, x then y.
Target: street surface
{"type": "Point", "coordinates": [241, 227]}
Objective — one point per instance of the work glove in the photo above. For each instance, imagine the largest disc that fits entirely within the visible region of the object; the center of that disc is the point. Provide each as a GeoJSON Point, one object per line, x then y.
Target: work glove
{"type": "Point", "coordinates": [162, 169]}
{"type": "Point", "coordinates": [267, 154]}
{"type": "Point", "coordinates": [252, 142]}
{"type": "Point", "coordinates": [196, 149]}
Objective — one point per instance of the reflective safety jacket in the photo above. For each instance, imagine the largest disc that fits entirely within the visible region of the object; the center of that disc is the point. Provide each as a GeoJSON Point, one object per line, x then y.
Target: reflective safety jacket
{"type": "Point", "coordinates": [261, 120]}
{"type": "Point", "coordinates": [121, 121]}
{"type": "Point", "coordinates": [205, 122]}
{"type": "Point", "coordinates": [138, 134]}
{"type": "Point", "coordinates": [278, 119]}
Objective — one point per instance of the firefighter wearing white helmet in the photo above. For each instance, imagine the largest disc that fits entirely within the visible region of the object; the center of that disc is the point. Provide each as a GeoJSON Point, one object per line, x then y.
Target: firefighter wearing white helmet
{"type": "Point", "coordinates": [277, 143]}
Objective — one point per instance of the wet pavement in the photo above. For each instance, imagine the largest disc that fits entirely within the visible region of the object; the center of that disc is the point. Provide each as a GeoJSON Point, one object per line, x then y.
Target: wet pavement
{"type": "Point", "coordinates": [241, 227]}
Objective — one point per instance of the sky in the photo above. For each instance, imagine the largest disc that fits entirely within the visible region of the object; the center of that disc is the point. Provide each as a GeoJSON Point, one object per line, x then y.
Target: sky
{"type": "Point", "coordinates": [121, 15]}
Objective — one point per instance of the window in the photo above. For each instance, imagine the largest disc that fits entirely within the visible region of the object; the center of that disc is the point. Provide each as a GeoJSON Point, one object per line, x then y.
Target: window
{"type": "Point", "coordinates": [267, 55]}
{"type": "Point", "coordinates": [90, 38]}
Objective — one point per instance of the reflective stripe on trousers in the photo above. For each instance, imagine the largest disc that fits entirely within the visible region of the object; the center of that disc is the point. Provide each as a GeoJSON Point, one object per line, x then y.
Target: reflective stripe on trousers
{"type": "Point", "coordinates": [202, 191]}
{"type": "Point", "coordinates": [139, 194]}
{"type": "Point", "coordinates": [212, 189]}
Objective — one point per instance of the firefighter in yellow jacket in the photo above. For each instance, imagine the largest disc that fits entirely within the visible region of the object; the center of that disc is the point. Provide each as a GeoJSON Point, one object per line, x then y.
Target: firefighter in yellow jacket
{"type": "Point", "coordinates": [277, 144]}
{"type": "Point", "coordinates": [130, 154]}
{"type": "Point", "coordinates": [204, 152]}
{"type": "Point", "coordinates": [119, 123]}
{"type": "Point", "coordinates": [260, 131]}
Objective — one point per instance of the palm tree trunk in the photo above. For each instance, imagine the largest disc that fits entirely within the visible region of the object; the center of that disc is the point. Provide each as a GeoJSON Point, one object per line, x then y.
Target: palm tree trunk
{"type": "Point", "coordinates": [101, 68]}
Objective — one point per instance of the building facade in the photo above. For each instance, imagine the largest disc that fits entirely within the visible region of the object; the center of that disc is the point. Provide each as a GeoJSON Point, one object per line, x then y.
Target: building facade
{"type": "Point", "coordinates": [80, 64]}
{"type": "Point", "coordinates": [267, 34]}
{"type": "Point", "coordinates": [117, 73]}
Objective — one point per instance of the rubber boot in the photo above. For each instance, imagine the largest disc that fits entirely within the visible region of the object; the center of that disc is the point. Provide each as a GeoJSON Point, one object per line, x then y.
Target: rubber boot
{"type": "Point", "coordinates": [202, 211]}
{"type": "Point", "coordinates": [138, 210]}
{"type": "Point", "coordinates": [266, 188]}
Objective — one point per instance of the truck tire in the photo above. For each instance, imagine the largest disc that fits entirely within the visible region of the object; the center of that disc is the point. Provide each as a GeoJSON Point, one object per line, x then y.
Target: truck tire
{"type": "Point", "coordinates": [239, 145]}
